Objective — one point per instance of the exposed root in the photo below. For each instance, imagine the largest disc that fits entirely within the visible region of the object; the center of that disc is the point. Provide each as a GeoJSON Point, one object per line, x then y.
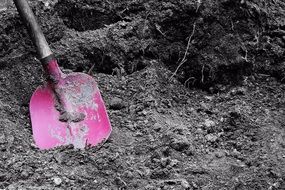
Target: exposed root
{"type": "Point", "coordinates": [202, 73]}
{"type": "Point", "coordinates": [186, 83]}
{"type": "Point", "coordinates": [158, 28]}
{"type": "Point", "coordinates": [186, 51]}
{"type": "Point", "coordinates": [93, 66]}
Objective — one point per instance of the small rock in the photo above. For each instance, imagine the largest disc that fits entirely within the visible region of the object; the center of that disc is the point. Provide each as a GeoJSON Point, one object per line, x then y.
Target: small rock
{"type": "Point", "coordinates": [116, 104]}
{"type": "Point", "coordinates": [150, 187]}
{"type": "Point", "coordinates": [13, 186]}
{"type": "Point", "coordinates": [209, 123]}
{"type": "Point", "coordinates": [179, 144]}
{"type": "Point", "coordinates": [200, 131]}
{"type": "Point", "coordinates": [33, 146]}
{"type": "Point", "coordinates": [128, 174]}
{"type": "Point", "coordinates": [164, 162]}
{"type": "Point", "coordinates": [25, 174]}
{"type": "Point", "coordinates": [138, 134]}
{"type": "Point", "coordinates": [217, 88]}
{"type": "Point", "coordinates": [195, 169]}
{"type": "Point", "coordinates": [2, 139]}
{"type": "Point", "coordinates": [189, 101]}
{"type": "Point", "coordinates": [238, 91]}
{"type": "Point", "coordinates": [157, 127]}
{"type": "Point", "coordinates": [132, 109]}
{"type": "Point", "coordinates": [184, 183]}
{"type": "Point", "coordinates": [235, 153]}
{"type": "Point", "coordinates": [190, 151]}
{"type": "Point", "coordinates": [144, 112]}
{"type": "Point", "coordinates": [205, 106]}
{"type": "Point", "coordinates": [3, 5]}
{"type": "Point", "coordinates": [219, 154]}
{"type": "Point", "coordinates": [194, 185]}
{"type": "Point", "coordinates": [57, 181]}
{"type": "Point", "coordinates": [166, 151]}
{"type": "Point", "coordinates": [211, 137]}
{"type": "Point", "coordinates": [10, 139]}
{"type": "Point", "coordinates": [174, 162]}
{"type": "Point", "coordinates": [275, 185]}
{"type": "Point", "coordinates": [161, 110]}
{"type": "Point", "coordinates": [210, 98]}
{"type": "Point", "coordinates": [120, 182]}
{"type": "Point", "coordinates": [191, 110]}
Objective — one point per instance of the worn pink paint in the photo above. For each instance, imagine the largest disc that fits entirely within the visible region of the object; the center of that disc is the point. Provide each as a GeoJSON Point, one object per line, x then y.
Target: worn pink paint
{"type": "Point", "coordinates": [78, 93]}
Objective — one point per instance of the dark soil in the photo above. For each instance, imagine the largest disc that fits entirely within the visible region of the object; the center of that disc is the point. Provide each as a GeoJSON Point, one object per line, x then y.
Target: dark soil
{"type": "Point", "coordinates": [194, 90]}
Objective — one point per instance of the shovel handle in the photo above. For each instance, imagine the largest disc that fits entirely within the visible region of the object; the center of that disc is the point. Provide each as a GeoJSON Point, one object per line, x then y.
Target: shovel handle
{"type": "Point", "coordinates": [44, 52]}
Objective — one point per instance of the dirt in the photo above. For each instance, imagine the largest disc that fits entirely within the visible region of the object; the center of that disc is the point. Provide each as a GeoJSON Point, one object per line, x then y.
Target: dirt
{"type": "Point", "coordinates": [212, 120]}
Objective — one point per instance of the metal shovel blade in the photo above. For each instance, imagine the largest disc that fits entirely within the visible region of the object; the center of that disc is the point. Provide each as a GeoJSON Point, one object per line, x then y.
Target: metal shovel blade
{"type": "Point", "coordinates": [71, 112]}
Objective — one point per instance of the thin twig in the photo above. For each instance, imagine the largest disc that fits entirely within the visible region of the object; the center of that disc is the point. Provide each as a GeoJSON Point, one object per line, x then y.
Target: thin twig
{"type": "Point", "coordinates": [144, 25]}
{"type": "Point", "coordinates": [92, 67]}
{"type": "Point", "coordinates": [186, 51]}
{"type": "Point", "coordinates": [186, 82]}
{"type": "Point", "coordinates": [202, 72]}
{"type": "Point", "coordinates": [198, 5]}
{"type": "Point", "coordinates": [158, 28]}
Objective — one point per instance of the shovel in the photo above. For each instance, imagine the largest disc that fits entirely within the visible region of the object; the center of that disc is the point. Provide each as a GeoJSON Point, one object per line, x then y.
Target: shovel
{"type": "Point", "coordinates": [68, 108]}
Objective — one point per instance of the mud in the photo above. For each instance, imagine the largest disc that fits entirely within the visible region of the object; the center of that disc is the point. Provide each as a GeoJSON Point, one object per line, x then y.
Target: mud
{"type": "Point", "coordinates": [217, 123]}
{"type": "Point", "coordinates": [71, 117]}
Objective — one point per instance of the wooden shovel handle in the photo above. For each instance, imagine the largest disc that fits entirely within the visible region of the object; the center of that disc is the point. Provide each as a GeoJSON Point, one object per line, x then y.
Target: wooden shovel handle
{"type": "Point", "coordinates": [36, 34]}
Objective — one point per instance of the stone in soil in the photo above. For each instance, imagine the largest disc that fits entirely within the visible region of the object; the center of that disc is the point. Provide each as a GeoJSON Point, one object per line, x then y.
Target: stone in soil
{"type": "Point", "coordinates": [179, 143]}
{"type": "Point", "coordinates": [116, 103]}
{"type": "Point", "coordinates": [211, 137]}
{"type": "Point", "coordinates": [57, 181]}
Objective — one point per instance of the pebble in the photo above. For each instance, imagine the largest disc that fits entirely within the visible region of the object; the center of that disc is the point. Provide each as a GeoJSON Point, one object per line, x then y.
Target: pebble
{"type": "Point", "coordinates": [116, 103]}
{"type": "Point", "coordinates": [235, 153]}
{"type": "Point", "coordinates": [210, 98]}
{"type": "Point", "coordinates": [190, 151]}
{"type": "Point", "coordinates": [211, 137]}
{"type": "Point", "coordinates": [2, 139]}
{"type": "Point", "coordinates": [190, 109]}
{"type": "Point", "coordinates": [200, 131]}
{"type": "Point", "coordinates": [209, 123]}
{"type": "Point", "coordinates": [179, 144]}
{"type": "Point", "coordinates": [138, 134]}
{"type": "Point", "coordinates": [25, 174]}
{"type": "Point", "coordinates": [238, 91]}
{"type": "Point", "coordinates": [10, 139]}
{"type": "Point", "coordinates": [57, 181]}
{"type": "Point", "coordinates": [174, 162]}
{"type": "Point", "coordinates": [220, 154]}
{"type": "Point", "coordinates": [205, 106]}
{"type": "Point", "coordinates": [132, 109]}
{"type": "Point", "coordinates": [157, 127]}
{"type": "Point", "coordinates": [164, 162]}
{"type": "Point", "coordinates": [184, 183]}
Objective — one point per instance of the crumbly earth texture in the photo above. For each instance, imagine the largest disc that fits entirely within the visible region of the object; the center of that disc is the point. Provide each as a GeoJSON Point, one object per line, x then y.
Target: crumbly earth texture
{"type": "Point", "coordinates": [194, 89]}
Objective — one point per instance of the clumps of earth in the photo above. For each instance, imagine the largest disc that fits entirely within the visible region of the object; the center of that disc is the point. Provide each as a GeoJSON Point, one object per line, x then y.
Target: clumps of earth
{"type": "Point", "coordinates": [194, 91]}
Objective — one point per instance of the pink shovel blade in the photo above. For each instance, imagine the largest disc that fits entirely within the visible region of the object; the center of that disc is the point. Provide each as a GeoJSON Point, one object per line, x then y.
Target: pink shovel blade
{"type": "Point", "coordinates": [84, 120]}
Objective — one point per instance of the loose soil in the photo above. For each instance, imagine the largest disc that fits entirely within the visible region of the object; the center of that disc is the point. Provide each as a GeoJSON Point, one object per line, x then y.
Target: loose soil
{"type": "Point", "coordinates": [216, 122]}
